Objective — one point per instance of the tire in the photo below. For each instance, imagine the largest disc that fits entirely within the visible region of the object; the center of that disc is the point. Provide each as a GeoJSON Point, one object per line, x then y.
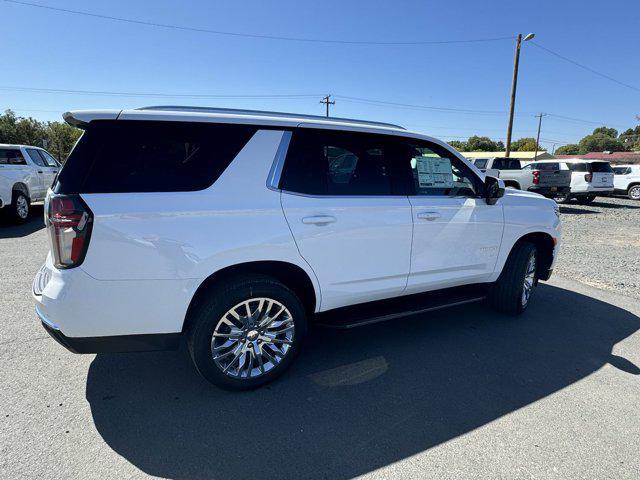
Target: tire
{"type": "Point", "coordinates": [20, 207]}
{"type": "Point", "coordinates": [242, 345]}
{"type": "Point", "coordinates": [586, 199]}
{"type": "Point", "coordinates": [634, 192]}
{"type": "Point", "coordinates": [508, 293]}
{"type": "Point", "coordinates": [562, 198]}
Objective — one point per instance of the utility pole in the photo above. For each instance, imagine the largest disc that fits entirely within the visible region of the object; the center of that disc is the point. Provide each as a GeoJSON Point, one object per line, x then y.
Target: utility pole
{"type": "Point", "coordinates": [539, 116]}
{"type": "Point", "coordinates": [514, 84]}
{"type": "Point", "coordinates": [327, 102]}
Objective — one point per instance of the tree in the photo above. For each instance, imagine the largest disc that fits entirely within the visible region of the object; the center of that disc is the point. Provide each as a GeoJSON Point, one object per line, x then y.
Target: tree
{"type": "Point", "coordinates": [631, 138]}
{"type": "Point", "coordinates": [599, 142]}
{"type": "Point", "coordinates": [483, 144]}
{"type": "Point", "coordinates": [57, 137]}
{"type": "Point", "coordinates": [608, 132]}
{"type": "Point", "coordinates": [459, 145]}
{"type": "Point", "coordinates": [570, 149]}
{"type": "Point", "coordinates": [527, 144]}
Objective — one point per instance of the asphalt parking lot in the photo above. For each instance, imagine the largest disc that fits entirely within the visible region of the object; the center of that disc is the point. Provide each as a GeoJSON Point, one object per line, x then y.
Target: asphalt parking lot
{"type": "Point", "coordinates": [463, 393]}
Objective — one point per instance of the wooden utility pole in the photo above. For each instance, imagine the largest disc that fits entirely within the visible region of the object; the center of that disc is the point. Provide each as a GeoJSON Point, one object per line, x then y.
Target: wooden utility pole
{"type": "Point", "coordinates": [327, 102]}
{"type": "Point", "coordinates": [514, 84]}
{"type": "Point", "coordinates": [540, 115]}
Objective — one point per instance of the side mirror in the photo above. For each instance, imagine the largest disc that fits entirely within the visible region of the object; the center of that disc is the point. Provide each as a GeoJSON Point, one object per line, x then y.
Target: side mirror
{"type": "Point", "coordinates": [493, 189]}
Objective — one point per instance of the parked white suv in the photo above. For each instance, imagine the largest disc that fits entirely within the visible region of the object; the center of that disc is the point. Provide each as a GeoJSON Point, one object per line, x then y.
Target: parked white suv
{"type": "Point", "coordinates": [589, 178]}
{"type": "Point", "coordinates": [236, 229]}
{"type": "Point", "coordinates": [627, 180]}
{"type": "Point", "coordinates": [26, 173]}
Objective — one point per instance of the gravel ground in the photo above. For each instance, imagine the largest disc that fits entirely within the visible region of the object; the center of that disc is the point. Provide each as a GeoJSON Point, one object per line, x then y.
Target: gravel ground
{"type": "Point", "coordinates": [601, 244]}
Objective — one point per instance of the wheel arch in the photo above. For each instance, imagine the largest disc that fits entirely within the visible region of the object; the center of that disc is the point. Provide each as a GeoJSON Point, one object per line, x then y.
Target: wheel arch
{"type": "Point", "coordinates": [290, 274]}
{"type": "Point", "coordinates": [21, 187]}
{"type": "Point", "coordinates": [545, 244]}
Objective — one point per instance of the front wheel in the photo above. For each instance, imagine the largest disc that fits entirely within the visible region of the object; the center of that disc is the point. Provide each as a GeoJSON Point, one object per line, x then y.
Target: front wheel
{"type": "Point", "coordinates": [246, 333]}
{"type": "Point", "coordinates": [634, 192]}
{"type": "Point", "coordinates": [512, 292]}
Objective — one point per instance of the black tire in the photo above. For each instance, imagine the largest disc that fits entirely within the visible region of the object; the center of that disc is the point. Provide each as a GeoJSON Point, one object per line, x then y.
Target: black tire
{"type": "Point", "coordinates": [506, 295]}
{"type": "Point", "coordinates": [19, 202]}
{"type": "Point", "coordinates": [587, 199]}
{"type": "Point", "coordinates": [205, 317]}
{"type": "Point", "coordinates": [562, 198]}
{"type": "Point", "coordinates": [634, 192]}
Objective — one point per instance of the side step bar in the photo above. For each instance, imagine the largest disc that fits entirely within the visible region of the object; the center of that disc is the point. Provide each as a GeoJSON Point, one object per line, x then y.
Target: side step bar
{"type": "Point", "coordinates": [383, 310]}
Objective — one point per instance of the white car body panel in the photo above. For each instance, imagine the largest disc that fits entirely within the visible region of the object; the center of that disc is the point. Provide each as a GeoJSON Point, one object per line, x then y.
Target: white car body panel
{"type": "Point", "coordinates": [149, 252]}
{"type": "Point", "coordinates": [621, 183]}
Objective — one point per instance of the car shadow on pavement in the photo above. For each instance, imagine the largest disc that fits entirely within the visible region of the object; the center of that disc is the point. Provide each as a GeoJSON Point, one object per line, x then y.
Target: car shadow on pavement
{"type": "Point", "coordinates": [576, 211]}
{"type": "Point", "coordinates": [34, 223]}
{"type": "Point", "coordinates": [356, 400]}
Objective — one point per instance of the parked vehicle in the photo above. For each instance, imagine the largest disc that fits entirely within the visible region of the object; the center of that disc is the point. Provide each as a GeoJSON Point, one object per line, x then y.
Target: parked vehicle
{"type": "Point", "coordinates": [589, 178]}
{"type": "Point", "coordinates": [547, 181]}
{"type": "Point", "coordinates": [26, 173]}
{"type": "Point", "coordinates": [626, 180]}
{"type": "Point", "coordinates": [236, 229]}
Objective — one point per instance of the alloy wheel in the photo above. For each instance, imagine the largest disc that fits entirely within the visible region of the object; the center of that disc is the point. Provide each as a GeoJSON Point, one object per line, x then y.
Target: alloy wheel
{"type": "Point", "coordinates": [252, 338]}
{"type": "Point", "coordinates": [634, 192]}
{"type": "Point", "coordinates": [22, 207]}
{"type": "Point", "coordinates": [529, 279]}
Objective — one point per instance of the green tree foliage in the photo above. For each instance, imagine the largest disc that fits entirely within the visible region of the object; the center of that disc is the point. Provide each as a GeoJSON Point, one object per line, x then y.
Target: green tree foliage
{"type": "Point", "coordinates": [608, 132]}
{"type": "Point", "coordinates": [459, 145]}
{"type": "Point", "coordinates": [57, 137]}
{"type": "Point", "coordinates": [570, 149]}
{"type": "Point", "coordinates": [527, 144]}
{"type": "Point", "coordinates": [599, 142]}
{"type": "Point", "coordinates": [631, 138]}
{"type": "Point", "coordinates": [483, 144]}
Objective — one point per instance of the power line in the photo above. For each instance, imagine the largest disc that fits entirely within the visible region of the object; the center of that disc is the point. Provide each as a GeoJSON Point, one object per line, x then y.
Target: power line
{"type": "Point", "coordinates": [152, 95]}
{"type": "Point", "coordinates": [255, 35]}
{"type": "Point", "coordinates": [589, 69]}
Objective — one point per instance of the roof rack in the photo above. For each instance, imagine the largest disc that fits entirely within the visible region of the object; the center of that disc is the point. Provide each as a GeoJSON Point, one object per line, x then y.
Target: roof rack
{"type": "Point", "coordinates": [182, 108]}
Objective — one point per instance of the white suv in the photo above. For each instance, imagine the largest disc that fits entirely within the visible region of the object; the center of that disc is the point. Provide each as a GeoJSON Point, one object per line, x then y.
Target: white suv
{"type": "Point", "coordinates": [627, 180]}
{"type": "Point", "coordinates": [26, 173]}
{"type": "Point", "coordinates": [589, 178]}
{"type": "Point", "coordinates": [237, 229]}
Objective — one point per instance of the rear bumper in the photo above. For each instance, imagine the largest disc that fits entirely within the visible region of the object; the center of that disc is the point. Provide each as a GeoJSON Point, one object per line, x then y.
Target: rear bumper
{"type": "Point", "coordinates": [591, 191]}
{"type": "Point", "coordinates": [111, 344]}
{"type": "Point", "coordinates": [550, 191]}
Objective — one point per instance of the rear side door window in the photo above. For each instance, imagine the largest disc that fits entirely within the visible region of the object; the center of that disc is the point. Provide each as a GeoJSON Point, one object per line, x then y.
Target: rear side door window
{"type": "Point", "coordinates": [339, 163]}
{"type": "Point", "coordinates": [37, 158]}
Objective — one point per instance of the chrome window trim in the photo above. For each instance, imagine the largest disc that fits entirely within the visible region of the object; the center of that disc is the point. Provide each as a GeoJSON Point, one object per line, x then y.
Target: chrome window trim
{"type": "Point", "coordinates": [273, 180]}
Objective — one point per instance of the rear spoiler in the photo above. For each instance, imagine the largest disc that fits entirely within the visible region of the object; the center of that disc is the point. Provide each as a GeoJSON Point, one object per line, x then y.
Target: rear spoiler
{"type": "Point", "coordinates": [82, 118]}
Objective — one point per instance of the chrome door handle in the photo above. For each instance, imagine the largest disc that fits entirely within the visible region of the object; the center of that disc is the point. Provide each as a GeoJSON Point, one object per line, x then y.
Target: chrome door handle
{"type": "Point", "coordinates": [318, 220]}
{"type": "Point", "coordinates": [431, 216]}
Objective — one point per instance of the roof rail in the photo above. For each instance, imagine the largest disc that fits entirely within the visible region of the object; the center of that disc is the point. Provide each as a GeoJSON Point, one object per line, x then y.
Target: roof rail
{"type": "Point", "coordinates": [183, 108]}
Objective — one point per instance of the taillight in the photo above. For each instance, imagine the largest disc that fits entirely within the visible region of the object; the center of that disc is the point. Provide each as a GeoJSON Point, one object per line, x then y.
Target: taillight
{"type": "Point", "coordinates": [536, 177]}
{"type": "Point", "coordinates": [69, 223]}
{"type": "Point", "coordinates": [588, 177]}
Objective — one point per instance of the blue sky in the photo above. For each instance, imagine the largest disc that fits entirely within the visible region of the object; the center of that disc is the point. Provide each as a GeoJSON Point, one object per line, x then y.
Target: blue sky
{"type": "Point", "coordinates": [47, 49]}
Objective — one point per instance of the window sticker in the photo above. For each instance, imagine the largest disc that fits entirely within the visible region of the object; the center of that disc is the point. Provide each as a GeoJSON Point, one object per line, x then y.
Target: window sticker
{"type": "Point", "coordinates": [434, 172]}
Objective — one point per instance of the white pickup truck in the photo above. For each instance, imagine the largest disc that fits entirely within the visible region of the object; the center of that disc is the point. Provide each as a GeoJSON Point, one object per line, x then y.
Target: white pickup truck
{"type": "Point", "coordinates": [547, 181]}
{"type": "Point", "coordinates": [26, 173]}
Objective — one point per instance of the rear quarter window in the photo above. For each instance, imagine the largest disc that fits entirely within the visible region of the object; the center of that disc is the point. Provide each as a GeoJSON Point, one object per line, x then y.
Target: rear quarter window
{"type": "Point", "coordinates": [136, 156]}
{"type": "Point", "coordinates": [11, 156]}
{"type": "Point", "coordinates": [601, 167]}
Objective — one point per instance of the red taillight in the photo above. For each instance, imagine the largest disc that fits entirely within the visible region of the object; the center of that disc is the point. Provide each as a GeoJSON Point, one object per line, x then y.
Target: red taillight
{"type": "Point", "coordinates": [588, 177]}
{"type": "Point", "coordinates": [536, 177]}
{"type": "Point", "coordinates": [69, 223]}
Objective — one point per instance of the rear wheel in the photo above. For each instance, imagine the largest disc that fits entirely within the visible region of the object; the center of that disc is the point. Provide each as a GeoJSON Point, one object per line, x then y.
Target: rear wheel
{"type": "Point", "coordinates": [586, 199]}
{"type": "Point", "coordinates": [634, 192]}
{"type": "Point", "coordinates": [246, 333]}
{"type": "Point", "coordinates": [20, 207]}
{"type": "Point", "coordinates": [512, 292]}
{"type": "Point", "coordinates": [562, 197]}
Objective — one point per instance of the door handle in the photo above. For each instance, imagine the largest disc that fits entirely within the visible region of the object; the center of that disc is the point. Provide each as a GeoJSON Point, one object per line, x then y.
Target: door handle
{"type": "Point", "coordinates": [40, 171]}
{"type": "Point", "coordinates": [431, 216]}
{"type": "Point", "coordinates": [318, 220]}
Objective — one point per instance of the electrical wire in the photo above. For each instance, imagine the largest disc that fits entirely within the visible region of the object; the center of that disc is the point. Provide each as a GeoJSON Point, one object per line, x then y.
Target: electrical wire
{"type": "Point", "coordinates": [256, 35]}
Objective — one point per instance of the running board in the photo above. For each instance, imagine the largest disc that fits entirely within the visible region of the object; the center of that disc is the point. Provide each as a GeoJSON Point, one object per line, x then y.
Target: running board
{"type": "Point", "coordinates": [383, 310]}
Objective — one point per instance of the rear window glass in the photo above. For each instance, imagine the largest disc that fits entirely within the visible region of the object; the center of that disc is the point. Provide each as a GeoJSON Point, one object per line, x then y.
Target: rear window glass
{"type": "Point", "coordinates": [545, 166]}
{"type": "Point", "coordinates": [578, 167]}
{"type": "Point", "coordinates": [601, 167]}
{"type": "Point", "coordinates": [506, 164]}
{"type": "Point", "coordinates": [481, 163]}
{"type": "Point", "coordinates": [11, 156]}
{"type": "Point", "coordinates": [135, 156]}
